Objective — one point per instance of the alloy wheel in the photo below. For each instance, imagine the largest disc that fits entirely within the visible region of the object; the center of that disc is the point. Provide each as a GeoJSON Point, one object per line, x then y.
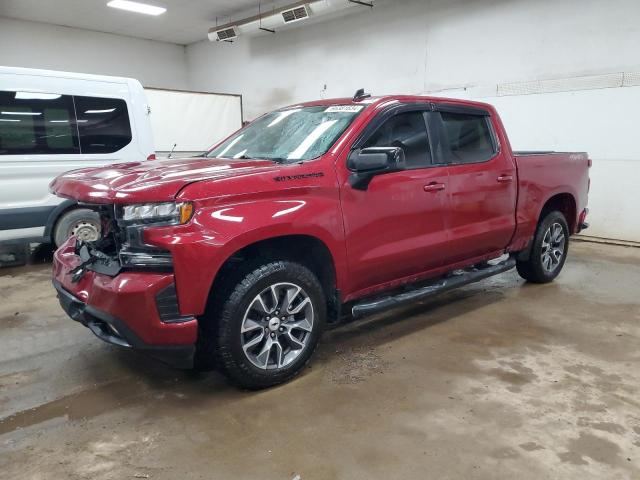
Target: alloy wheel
{"type": "Point", "coordinates": [277, 326]}
{"type": "Point", "coordinates": [553, 247]}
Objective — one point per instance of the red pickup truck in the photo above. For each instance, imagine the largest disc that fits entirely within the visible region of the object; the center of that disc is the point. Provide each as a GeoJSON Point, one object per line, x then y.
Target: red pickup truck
{"type": "Point", "coordinates": [239, 258]}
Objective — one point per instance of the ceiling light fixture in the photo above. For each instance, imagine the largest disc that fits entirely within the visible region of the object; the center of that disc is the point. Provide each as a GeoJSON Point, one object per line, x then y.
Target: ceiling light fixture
{"type": "Point", "coordinates": [36, 96]}
{"type": "Point", "coordinates": [137, 7]}
{"type": "Point", "coordinates": [22, 113]}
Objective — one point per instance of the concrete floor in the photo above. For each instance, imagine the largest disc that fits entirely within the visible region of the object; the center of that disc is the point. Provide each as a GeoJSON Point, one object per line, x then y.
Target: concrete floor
{"type": "Point", "coordinates": [497, 380]}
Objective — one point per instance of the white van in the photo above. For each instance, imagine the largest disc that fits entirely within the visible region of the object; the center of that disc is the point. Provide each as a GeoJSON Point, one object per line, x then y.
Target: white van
{"type": "Point", "coordinates": [52, 122]}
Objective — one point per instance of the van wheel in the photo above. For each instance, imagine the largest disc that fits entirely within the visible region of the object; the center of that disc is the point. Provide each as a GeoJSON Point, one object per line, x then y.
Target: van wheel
{"type": "Point", "coordinates": [549, 250]}
{"type": "Point", "coordinates": [81, 222]}
{"type": "Point", "coordinates": [267, 328]}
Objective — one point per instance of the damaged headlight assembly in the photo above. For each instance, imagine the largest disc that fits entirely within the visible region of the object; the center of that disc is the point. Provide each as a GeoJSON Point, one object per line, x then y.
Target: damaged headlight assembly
{"type": "Point", "coordinates": [170, 213]}
{"type": "Point", "coordinates": [133, 219]}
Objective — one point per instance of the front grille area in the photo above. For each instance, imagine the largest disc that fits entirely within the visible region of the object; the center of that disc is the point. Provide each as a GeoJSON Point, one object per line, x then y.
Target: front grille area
{"type": "Point", "coordinates": [125, 243]}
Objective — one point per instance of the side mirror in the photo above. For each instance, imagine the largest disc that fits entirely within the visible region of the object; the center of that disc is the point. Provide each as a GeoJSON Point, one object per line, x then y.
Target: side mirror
{"type": "Point", "coordinates": [369, 162]}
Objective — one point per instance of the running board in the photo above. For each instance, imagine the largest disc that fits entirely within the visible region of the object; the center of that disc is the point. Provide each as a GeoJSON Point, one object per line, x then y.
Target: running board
{"type": "Point", "coordinates": [368, 307]}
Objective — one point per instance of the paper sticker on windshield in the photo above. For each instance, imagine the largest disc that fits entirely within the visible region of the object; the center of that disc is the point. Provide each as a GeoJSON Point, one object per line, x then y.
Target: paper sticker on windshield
{"type": "Point", "coordinates": [344, 108]}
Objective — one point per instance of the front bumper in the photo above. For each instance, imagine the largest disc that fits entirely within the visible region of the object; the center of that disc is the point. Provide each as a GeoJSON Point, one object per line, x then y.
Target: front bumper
{"type": "Point", "coordinates": [124, 310]}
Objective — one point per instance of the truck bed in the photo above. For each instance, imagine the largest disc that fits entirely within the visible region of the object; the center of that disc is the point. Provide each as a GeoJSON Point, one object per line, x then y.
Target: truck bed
{"type": "Point", "coordinates": [523, 153]}
{"type": "Point", "coordinates": [543, 175]}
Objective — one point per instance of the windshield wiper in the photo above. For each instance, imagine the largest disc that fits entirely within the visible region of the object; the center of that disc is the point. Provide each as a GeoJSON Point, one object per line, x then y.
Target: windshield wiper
{"type": "Point", "coordinates": [247, 157]}
{"type": "Point", "coordinates": [272, 159]}
{"type": "Point", "coordinates": [276, 159]}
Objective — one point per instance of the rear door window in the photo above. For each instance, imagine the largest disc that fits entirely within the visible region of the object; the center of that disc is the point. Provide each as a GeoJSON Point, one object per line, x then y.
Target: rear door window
{"type": "Point", "coordinates": [103, 124]}
{"type": "Point", "coordinates": [468, 137]}
{"type": "Point", "coordinates": [35, 123]}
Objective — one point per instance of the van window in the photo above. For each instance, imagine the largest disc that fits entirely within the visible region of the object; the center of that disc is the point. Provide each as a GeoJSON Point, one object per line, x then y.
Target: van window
{"type": "Point", "coordinates": [103, 124]}
{"type": "Point", "coordinates": [37, 123]}
{"type": "Point", "coordinates": [468, 137]}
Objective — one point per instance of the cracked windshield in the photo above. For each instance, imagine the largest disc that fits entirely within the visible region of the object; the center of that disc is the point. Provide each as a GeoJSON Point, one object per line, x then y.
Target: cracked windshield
{"type": "Point", "coordinates": [292, 135]}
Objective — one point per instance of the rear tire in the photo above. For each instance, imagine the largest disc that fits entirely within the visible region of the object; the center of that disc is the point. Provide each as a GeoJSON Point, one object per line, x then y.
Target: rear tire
{"type": "Point", "coordinates": [266, 325]}
{"type": "Point", "coordinates": [549, 250]}
{"type": "Point", "coordinates": [82, 222]}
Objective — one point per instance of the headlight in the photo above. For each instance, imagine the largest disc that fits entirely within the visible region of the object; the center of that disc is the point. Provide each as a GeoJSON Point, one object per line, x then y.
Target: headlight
{"type": "Point", "coordinates": [172, 213]}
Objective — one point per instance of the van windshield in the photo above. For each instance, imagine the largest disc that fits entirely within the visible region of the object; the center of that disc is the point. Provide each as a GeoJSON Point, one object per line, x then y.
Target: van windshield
{"type": "Point", "coordinates": [293, 134]}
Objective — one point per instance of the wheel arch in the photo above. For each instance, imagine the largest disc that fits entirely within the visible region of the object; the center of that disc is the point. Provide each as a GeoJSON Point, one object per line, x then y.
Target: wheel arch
{"type": "Point", "coordinates": [565, 203]}
{"type": "Point", "coordinates": [305, 249]}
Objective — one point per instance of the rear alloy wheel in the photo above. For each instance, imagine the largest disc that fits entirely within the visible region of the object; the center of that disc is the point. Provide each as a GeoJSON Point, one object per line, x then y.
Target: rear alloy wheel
{"type": "Point", "coordinates": [265, 324]}
{"type": "Point", "coordinates": [553, 243]}
{"type": "Point", "coordinates": [549, 250]}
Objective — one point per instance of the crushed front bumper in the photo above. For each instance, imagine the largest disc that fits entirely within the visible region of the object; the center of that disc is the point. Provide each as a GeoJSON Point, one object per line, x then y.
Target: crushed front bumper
{"type": "Point", "coordinates": [128, 310]}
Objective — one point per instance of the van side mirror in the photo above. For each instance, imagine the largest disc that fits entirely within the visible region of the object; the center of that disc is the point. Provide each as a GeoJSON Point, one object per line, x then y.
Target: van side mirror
{"type": "Point", "coordinates": [366, 163]}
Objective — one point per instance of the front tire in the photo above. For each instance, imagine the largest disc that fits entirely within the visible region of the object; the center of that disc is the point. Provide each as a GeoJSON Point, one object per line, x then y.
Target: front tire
{"type": "Point", "coordinates": [549, 251]}
{"type": "Point", "coordinates": [268, 325]}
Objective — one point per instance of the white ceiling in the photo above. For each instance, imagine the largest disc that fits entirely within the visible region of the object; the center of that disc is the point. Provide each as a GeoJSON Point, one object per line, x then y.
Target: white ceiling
{"type": "Point", "coordinates": [185, 22]}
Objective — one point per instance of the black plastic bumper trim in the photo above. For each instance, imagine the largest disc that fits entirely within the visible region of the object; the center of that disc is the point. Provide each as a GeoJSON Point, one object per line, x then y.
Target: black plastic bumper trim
{"type": "Point", "coordinates": [112, 330]}
{"type": "Point", "coordinates": [167, 305]}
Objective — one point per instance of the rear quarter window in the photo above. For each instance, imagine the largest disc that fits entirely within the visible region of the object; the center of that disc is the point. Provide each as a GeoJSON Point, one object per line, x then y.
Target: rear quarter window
{"type": "Point", "coordinates": [103, 124]}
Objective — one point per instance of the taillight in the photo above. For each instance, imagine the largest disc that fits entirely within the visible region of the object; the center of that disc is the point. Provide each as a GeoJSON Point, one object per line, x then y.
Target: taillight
{"type": "Point", "coordinates": [589, 162]}
{"type": "Point", "coordinates": [153, 157]}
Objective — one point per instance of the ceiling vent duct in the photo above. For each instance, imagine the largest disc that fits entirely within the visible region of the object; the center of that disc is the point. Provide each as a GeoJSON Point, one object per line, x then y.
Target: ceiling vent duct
{"type": "Point", "coordinates": [284, 17]}
{"type": "Point", "coordinates": [295, 14]}
{"type": "Point", "coordinates": [226, 34]}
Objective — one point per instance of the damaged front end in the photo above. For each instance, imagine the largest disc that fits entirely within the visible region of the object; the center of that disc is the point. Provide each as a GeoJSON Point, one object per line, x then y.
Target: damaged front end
{"type": "Point", "coordinates": [93, 258]}
{"type": "Point", "coordinates": [124, 290]}
{"type": "Point", "coordinates": [122, 246]}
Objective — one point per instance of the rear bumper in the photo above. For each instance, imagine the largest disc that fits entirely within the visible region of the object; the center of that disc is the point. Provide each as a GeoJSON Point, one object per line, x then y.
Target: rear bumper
{"type": "Point", "coordinates": [582, 224]}
{"type": "Point", "coordinates": [126, 310]}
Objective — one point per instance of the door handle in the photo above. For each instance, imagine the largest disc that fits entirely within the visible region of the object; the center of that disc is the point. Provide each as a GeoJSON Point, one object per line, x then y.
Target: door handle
{"type": "Point", "coordinates": [505, 178]}
{"type": "Point", "coordinates": [434, 187]}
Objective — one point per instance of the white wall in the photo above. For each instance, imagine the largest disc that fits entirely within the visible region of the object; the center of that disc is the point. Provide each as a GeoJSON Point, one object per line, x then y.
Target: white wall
{"type": "Point", "coordinates": [603, 122]}
{"type": "Point", "coordinates": [193, 122]}
{"type": "Point", "coordinates": [39, 45]}
{"type": "Point", "coordinates": [419, 46]}
{"type": "Point", "coordinates": [413, 46]}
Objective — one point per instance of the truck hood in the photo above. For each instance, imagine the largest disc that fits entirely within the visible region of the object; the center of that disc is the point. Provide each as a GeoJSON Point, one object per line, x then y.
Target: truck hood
{"type": "Point", "coordinates": [149, 181]}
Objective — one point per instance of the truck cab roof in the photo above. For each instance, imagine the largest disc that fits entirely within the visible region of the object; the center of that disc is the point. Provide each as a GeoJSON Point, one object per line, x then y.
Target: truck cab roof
{"type": "Point", "coordinates": [376, 101]}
